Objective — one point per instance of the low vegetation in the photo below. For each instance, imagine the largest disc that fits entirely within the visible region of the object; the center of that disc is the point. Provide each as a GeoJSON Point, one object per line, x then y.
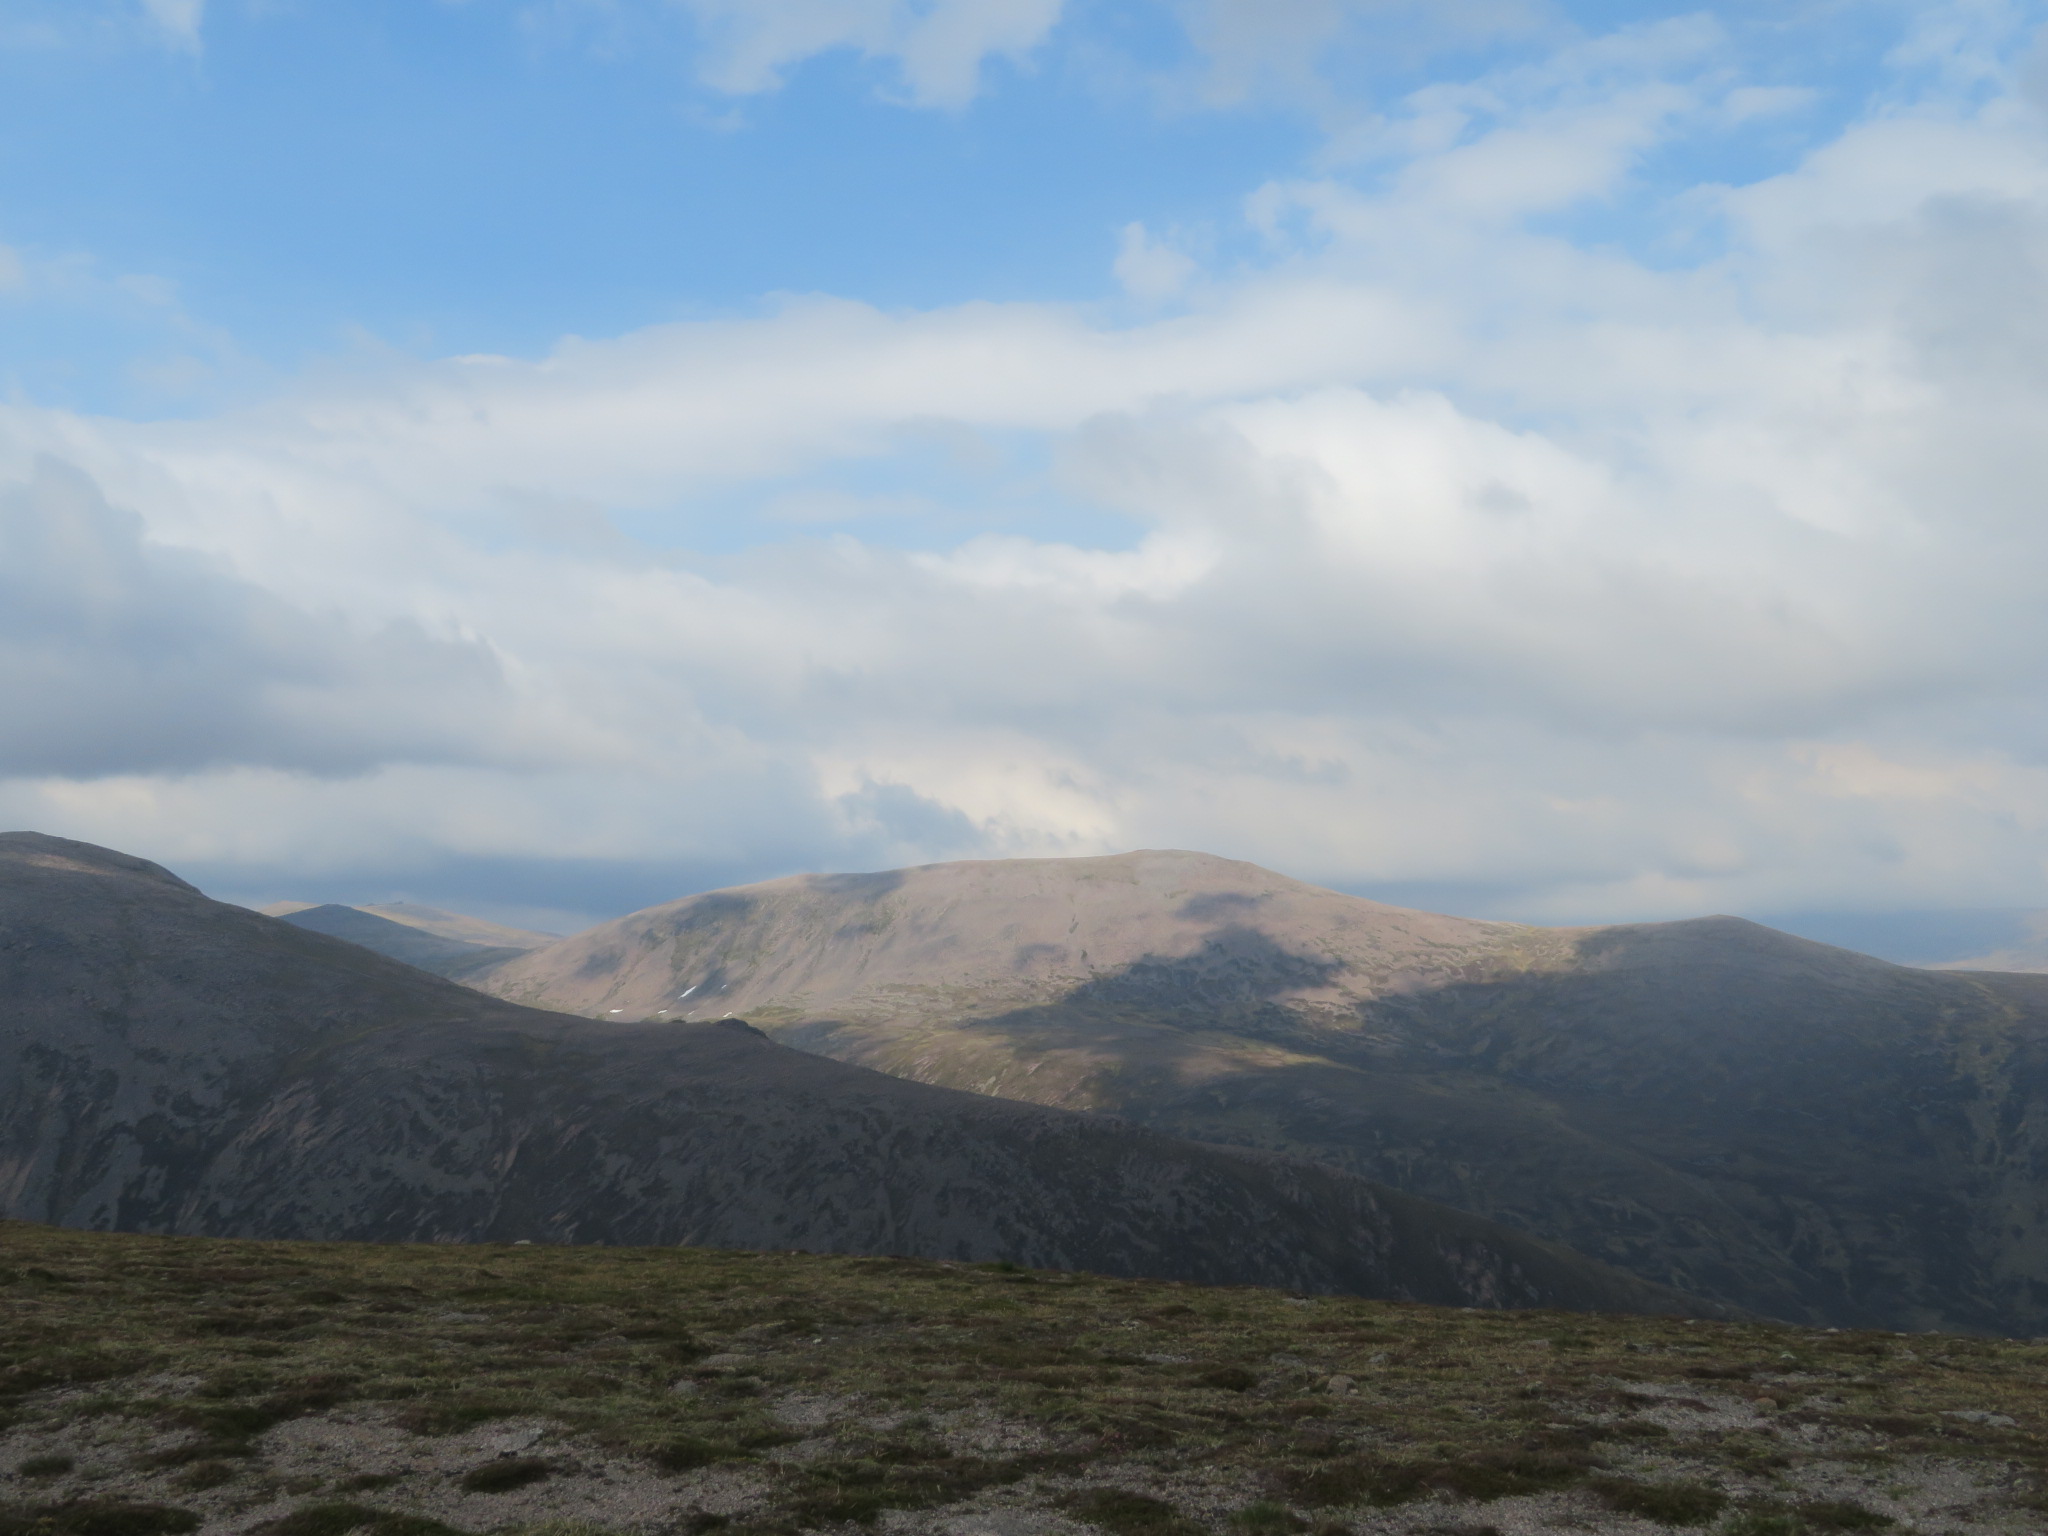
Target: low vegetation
{"type": "Point", "coordinates": [158, 1386]}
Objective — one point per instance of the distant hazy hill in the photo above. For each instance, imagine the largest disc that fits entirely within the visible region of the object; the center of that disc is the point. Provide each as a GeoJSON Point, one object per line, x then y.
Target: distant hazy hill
{"type": "Point", "coordinates": [429, 951]}
{"type": "Point", "coordinates": [1967, 939]}
{"type": "Point", "coordinates": [173, 1064]}
{"type": "Point", "coordinates": [449, 944]}
{"type": "Point", "coordinates": [1791, 1128]}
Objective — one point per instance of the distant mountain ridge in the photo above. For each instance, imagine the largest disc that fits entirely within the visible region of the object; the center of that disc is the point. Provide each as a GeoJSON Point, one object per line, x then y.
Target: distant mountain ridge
{"type": "Point", "coordinates": [1966, 939]}
{"type": "Point", "coordinates": [452, 958]}
{"type": "Point", "coordinates": [1789, 1128]}
{"type": "Point", "coordinates": [174, 1064]}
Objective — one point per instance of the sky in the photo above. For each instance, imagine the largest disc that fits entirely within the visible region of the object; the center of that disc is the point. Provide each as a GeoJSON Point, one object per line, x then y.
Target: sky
{"type": "Point", "coordinates": [1536, 459]}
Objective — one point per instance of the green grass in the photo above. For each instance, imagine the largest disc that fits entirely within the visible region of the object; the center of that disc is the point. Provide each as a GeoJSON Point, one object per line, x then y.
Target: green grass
{"type": "Point", "coordinates": [1122, 1395]}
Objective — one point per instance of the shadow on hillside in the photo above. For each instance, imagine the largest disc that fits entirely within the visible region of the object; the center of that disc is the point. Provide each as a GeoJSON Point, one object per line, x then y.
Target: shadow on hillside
{"type": "Point", "coordinates": [1707, 1104]}
{"type": "Point", "coordinates": [1232, 983]}
{"type": "Point", "coordinates": [1161, 1004]}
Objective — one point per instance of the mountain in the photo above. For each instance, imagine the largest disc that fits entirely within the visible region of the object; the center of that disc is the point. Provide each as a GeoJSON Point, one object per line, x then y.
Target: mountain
{"type": "Point", "coordinates": [401, 941]}
{"type": "Point", "coordinates": [1793, 1129]}
{"type": "Point", "coordinates": [449, 944]}
{"type": "Point", "coordinates": [459, 926]}
{"type": "Point", "coordinates": [2028, 953]}
{"type": "Point", "coordinates": [173, 1064]}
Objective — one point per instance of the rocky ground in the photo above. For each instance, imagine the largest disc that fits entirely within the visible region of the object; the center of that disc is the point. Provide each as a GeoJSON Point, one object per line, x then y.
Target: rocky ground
{"type": "Point", "coordinates": [159, 1386]}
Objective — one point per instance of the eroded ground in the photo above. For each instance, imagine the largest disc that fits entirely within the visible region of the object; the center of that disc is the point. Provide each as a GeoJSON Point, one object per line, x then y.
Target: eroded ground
{"type": "Point", "coordinates": [156, 1386]}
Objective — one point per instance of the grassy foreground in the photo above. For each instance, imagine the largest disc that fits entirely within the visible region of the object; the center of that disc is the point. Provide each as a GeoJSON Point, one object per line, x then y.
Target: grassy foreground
{"type": "Point", "coordinates": [155, 1386]}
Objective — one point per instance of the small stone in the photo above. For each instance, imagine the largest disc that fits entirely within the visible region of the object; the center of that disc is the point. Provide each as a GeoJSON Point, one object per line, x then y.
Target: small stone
{"type": "Point", "coordinates": [1341, 1386]}
{"type": "Point", "coordinates": [725, 1362]}
{"type": "Point", "coordinates": [1979, 1416]}
{"type": "Point", "coordinates": [685, 1388]}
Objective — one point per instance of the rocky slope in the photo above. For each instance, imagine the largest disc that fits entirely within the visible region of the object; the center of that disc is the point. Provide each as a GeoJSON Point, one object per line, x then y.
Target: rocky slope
{"type": "Point", "coordinates": [1794, 1129]}
{"type": "Point", "coordinates": [173, 1064]}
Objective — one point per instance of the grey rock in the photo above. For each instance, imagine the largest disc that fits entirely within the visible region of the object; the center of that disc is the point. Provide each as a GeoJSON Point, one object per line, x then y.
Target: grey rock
{"type": "Point", "coordinates": [1980, 1416]}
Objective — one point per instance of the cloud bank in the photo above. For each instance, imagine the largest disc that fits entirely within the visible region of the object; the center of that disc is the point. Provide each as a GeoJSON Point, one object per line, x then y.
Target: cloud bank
{"type": "Point", "coordinates": [119, 657]}
{"type": "Point", "coordinates": [1451, 547]}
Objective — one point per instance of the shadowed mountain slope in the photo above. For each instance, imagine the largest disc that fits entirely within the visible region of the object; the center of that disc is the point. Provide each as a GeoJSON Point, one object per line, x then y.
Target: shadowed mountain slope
{"type": "Point", "coordinates": [173, 1064]}
{"type": "Point", "coordinates": [1790, 1128]}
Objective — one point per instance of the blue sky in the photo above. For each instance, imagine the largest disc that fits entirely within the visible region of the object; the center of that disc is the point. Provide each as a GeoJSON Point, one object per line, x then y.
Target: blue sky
{"type": "Point", "coordinates": [1537, 459]}
{"type": "Point", "coordinates": [302, 178]}
{"type": "Point", "coordinates": [447, 179]}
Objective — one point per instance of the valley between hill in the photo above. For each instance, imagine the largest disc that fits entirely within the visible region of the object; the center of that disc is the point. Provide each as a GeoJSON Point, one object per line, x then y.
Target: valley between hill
{"type": "Point", "coordinates": [155, 1386]}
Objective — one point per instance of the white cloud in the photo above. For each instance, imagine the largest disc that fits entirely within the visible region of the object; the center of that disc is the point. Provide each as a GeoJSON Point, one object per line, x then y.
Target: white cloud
{"type": "Point", "coordinates": [179, 20]}
{"type": "Point", "coordinates": [1151, 271]}
{"type": "Point", "coordinates": [53, 24]}
{"type": "Point", "coordinates": [939, 47]}
{"type": "Point", "coordinates": [1466, 556]}
{"type": "Point", "coordinates": [1278, 50]}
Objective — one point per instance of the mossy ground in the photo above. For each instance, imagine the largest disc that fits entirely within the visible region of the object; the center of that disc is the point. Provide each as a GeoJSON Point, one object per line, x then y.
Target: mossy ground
{"type": "Point", "coordinates": [164, 1385]}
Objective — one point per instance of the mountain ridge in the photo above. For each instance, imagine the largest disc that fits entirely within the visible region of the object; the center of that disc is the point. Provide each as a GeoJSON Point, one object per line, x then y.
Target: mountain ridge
{"type": "Point", "coordinates": [173, 1064]}
{"type": "Point", "coordinates": [1788, 1127]}
{"type": "Point", "coordinates": [413, 945]}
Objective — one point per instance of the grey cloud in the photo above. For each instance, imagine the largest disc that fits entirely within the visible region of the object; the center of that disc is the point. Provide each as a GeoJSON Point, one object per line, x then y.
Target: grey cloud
{"type": "Point", "coordinates": [899, 814]}
{"type": "Point", "coordinates": [121, 656]}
